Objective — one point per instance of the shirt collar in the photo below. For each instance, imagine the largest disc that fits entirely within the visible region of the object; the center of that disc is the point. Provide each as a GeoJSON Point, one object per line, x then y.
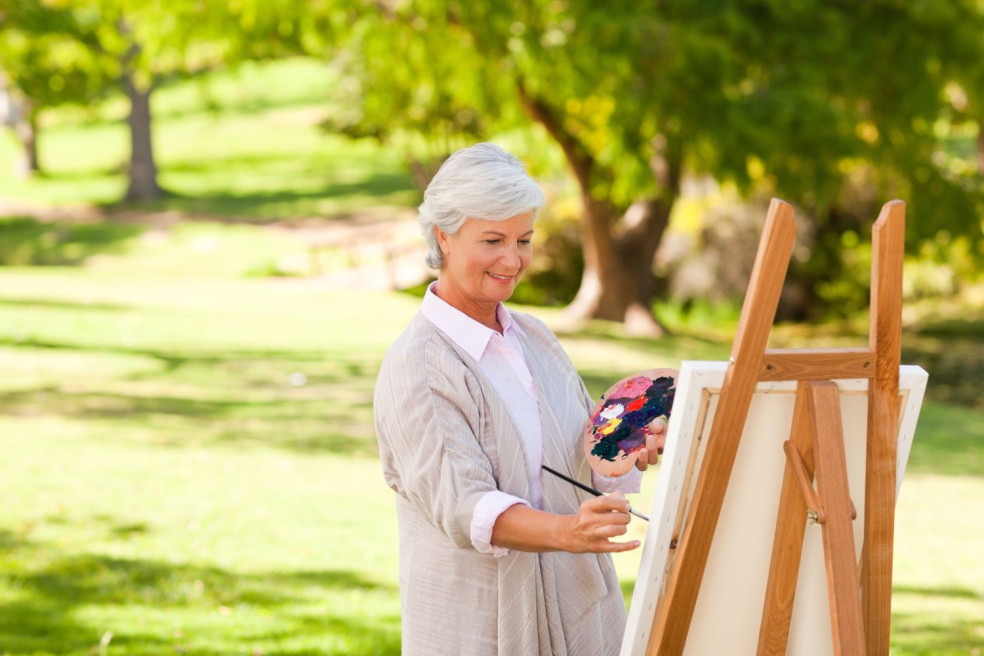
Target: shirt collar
{"type": "Point", "coordinates": [464, 331]}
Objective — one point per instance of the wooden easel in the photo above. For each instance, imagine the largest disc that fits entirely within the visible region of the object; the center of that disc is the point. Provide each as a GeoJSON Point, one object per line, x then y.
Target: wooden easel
{"type": "Point", "coordinates": [860, 604]}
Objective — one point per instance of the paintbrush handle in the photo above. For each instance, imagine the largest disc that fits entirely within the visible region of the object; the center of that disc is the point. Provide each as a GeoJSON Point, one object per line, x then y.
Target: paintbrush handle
{"type": "Point", "coordinates": [589, 489]}
{"type": "Point", "coordinates": [573, 482]}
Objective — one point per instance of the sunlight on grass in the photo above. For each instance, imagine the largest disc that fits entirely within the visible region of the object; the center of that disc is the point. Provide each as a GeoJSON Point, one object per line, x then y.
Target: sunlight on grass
{"type": "Point", "coordinates": [213, 549]}
{"type": "Point", "coordinates": [193, 467]}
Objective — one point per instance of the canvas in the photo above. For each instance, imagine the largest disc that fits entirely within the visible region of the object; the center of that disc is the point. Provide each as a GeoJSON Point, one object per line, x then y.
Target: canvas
{"type": "Point", "coordinates": [729, 606]}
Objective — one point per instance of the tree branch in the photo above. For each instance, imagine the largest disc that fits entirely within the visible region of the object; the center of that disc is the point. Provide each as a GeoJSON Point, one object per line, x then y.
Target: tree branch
{"type": "Point", "coordinates": [577, 155]}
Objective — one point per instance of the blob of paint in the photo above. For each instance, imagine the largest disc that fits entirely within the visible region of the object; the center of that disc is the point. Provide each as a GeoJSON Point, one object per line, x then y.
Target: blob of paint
{"type": "Point", "coordinates": [619, 423]}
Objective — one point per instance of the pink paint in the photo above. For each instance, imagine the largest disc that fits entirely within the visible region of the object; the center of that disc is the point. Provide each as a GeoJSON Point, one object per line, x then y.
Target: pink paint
{"type": "Point", "coordinates": [631, 388]}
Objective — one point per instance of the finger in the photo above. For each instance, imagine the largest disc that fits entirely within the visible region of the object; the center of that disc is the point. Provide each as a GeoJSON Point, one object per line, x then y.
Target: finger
{"type": "Point", "coordinates": [611, 531]}
{"type": "Point", "coordinates": [614, 518]}
{"type": "Point", "coordinates": [617, 547]}
{"type": "Point", "coordinates": [652, 449]}
{"type": "Point", "coordinates": [642, 461]}
{"type": "Point", "coordinates": [599, 534]}
{"type": "Point", "coordinates": [615, 502]}
{"type": "Point", "coordinates": [658, 426]}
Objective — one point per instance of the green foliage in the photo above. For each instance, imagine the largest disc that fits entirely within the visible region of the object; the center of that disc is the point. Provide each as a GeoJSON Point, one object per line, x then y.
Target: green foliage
{"type": "Point", "coordinates": [809, 101]}
{"type": "Point", "coordinates": [49, 54]}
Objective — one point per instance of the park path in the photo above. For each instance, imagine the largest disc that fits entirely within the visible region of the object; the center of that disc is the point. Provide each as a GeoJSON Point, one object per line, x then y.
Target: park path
{"type": "Point", "coordinates": [373, 249]}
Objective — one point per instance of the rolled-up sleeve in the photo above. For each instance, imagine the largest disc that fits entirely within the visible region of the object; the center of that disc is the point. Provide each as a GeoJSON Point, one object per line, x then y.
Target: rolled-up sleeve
{"type": "Point", "coordinates": [630, 482]}
{"type": "Point", "coordinates": [487, 510]}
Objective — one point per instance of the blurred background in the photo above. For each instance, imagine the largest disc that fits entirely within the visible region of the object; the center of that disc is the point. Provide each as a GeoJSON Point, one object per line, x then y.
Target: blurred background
{"type": "Point", "coordinates": [208, 240]}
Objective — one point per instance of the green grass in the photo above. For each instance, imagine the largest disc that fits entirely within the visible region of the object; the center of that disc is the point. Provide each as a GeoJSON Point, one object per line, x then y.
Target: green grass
{"type": "Point", "coordinates": [243, 143]}
{"type": "Point", "coordinates": [171, 481]}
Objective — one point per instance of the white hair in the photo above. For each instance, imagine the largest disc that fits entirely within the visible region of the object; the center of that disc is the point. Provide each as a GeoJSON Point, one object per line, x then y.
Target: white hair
{"type": "Point", "coordinates": [479, 182]}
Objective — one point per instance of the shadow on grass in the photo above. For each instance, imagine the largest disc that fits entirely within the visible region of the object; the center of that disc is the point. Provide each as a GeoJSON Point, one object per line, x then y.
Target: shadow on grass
{"type": "Point", "coordinates": [948, 441]}
{"type": "Point", "coordinates": [238, 398]}
{"type": "Point", "coordinates": [943, 593]}
{"type": "Point", "coordinates": [63, 305]}
{"type": "Point", "coordinates": [268, 206]}
{"type": "Point", "coordinates": [25, 241]}
{"type": "Point", "coordinates": [936, 632]}
{"type": "Point", "coordinates": [310, 426]}
{"type": "Point", "coordinates": [48, 589]}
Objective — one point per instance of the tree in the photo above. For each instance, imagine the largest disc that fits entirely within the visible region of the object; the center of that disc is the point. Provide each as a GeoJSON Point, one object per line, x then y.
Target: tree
{"type": "Point", "coordinates": [46, 59]}
{"type": "Point", "coordinates": [786, 96]}
{"type": "Point", "coordinates": [58, 51]}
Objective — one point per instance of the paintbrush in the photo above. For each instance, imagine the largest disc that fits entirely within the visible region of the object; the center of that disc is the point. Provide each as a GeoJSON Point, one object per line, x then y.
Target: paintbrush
{"type": "Point", "coordinates": [590, 489]}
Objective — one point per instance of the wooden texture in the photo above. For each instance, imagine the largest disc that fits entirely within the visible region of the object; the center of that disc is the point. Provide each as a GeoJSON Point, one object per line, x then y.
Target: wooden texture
{"type": "Point", "coordinates": [846, 624]}
{"type": "Point", "coordinates": [817, 364]}
{"type": "Point", "coordinates": [804, 478]}
{"type": "Point", "coordinates": [671, 623]}
{"type": "Point", "coordinates": [787, 547]}
{"type": "Point", "coordinates": [885, 336]}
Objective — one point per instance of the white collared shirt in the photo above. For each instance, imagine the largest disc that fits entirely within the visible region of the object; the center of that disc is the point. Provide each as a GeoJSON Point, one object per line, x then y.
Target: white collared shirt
{"type": "Point", "coordinates": [501, 359]}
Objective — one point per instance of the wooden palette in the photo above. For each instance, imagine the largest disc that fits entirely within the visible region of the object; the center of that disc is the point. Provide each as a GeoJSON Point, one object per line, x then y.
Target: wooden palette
{"type": "Point", "coordinates": [619, 423]}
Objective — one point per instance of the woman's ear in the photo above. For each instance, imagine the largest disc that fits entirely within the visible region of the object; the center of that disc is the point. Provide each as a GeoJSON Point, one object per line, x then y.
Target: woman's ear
{"type": "Point", "coordinates": [442, 240]}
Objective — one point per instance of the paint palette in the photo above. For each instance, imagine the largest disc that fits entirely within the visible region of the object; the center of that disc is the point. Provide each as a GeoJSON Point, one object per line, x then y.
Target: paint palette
{"type": "Point", "coordinates": [619, 423]}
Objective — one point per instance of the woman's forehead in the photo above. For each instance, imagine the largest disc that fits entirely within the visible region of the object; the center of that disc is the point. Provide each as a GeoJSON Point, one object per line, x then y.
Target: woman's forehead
{"type": "Point", "coordinates": [518, 224]}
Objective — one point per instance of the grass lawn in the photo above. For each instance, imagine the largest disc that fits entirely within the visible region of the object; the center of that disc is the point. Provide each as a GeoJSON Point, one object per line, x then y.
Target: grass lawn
{"type": "Point", "coordinates": [190, 467]}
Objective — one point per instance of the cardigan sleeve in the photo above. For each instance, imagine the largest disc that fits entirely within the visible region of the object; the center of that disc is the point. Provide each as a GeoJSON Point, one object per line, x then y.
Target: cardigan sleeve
{"type": "Point", "coordinates": [429, 413]}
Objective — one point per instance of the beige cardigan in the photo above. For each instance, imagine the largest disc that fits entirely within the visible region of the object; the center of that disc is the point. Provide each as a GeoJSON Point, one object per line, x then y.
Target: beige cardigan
{"type": "Point", "coordinates": [445, 439]}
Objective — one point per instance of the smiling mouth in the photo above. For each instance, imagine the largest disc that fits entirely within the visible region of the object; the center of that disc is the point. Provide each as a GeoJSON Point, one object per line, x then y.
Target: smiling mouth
{"type": "Point", "coordinates": [498, 277]}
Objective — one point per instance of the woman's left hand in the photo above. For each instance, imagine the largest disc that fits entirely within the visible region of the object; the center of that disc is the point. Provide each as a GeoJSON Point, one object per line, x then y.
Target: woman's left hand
{"type": "Point", "coordinates": [654, 444]}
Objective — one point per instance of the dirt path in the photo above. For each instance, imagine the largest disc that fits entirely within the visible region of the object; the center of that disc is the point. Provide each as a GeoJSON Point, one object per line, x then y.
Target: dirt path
{"type": "Point", "coordinates": [378, 248]}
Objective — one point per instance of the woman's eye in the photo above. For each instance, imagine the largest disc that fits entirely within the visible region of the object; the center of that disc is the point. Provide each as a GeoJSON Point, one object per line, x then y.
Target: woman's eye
{"type": "Point", "coordinates": [525, 242]}
{"type": "Point", "coordinates": [492, 241]}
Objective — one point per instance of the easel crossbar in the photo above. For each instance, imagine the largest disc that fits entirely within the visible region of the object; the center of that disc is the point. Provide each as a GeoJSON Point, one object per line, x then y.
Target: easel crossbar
{"type": "Point", "coordinates": [817, 364]}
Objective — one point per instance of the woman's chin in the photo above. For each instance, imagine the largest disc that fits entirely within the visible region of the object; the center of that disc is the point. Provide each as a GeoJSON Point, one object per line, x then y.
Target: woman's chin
{"type": "Point", "coordinates": [500, 290]}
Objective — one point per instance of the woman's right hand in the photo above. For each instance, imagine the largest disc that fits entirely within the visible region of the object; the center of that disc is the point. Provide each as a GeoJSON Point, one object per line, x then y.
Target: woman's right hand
{"type": "Point", "coordinates": [597, 521]}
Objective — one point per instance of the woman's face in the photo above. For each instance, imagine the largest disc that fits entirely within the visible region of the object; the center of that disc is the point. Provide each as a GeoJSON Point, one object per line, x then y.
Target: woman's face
{"type": "Point", "coordinates": [484, 260]}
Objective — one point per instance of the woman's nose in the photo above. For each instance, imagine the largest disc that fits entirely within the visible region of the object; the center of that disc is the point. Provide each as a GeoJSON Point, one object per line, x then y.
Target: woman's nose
{"type": "Point", "coordinates": [511, 256]}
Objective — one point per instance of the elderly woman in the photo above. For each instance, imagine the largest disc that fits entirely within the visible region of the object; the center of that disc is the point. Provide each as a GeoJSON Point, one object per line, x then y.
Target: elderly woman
{"type": "Point", "coordinates": [471, 400]}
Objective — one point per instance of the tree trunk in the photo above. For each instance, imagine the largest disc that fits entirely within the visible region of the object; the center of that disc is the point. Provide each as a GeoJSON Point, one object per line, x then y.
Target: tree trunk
{"type": "Point", "coordinates": [27, 134]}
{"type": "Point", "coordinates": [980, 146]}
{"type": "Point", "coordinates": [618, 282]}
{"type": "Point", "coordinates": [143, 170]}
{"type": "Point", "coordinates": [21, 115]}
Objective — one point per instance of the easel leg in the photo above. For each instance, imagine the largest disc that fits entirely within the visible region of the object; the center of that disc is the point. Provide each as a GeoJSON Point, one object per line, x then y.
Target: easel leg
{"type": "Point", "coordinates": [816, 435]}
{"type": "Point", "coordinates": [885, 337]}
{"type": "Point", "coordinates": [843, 585]}
{"type": "Point", "coordinates": [787, 547]}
